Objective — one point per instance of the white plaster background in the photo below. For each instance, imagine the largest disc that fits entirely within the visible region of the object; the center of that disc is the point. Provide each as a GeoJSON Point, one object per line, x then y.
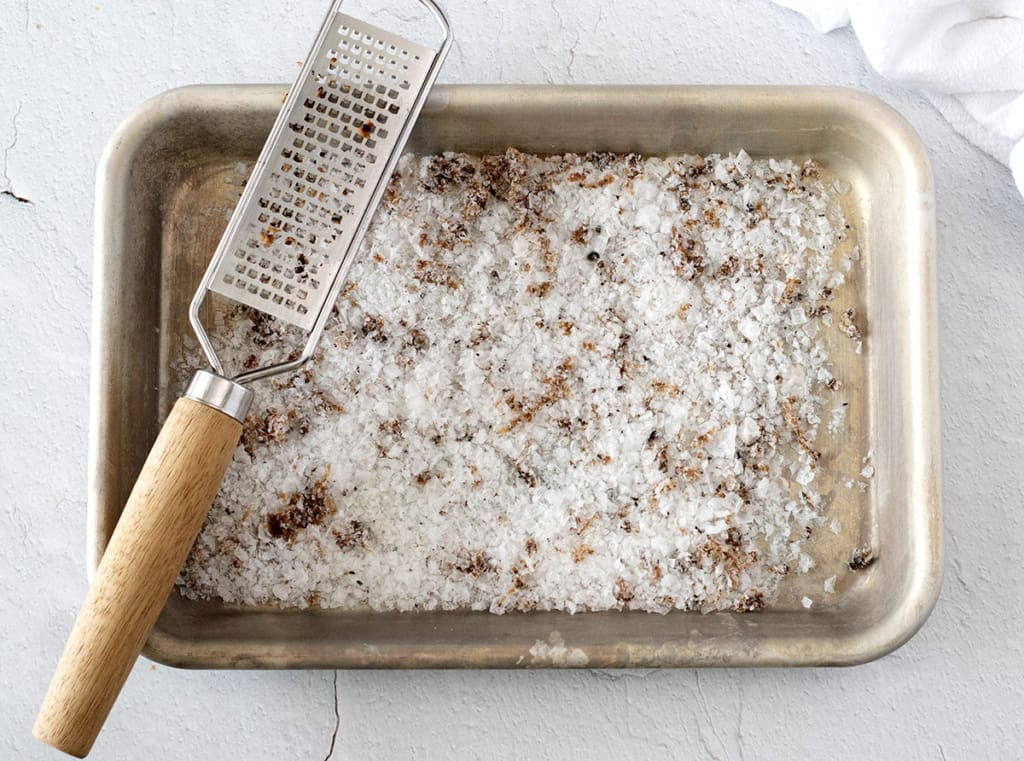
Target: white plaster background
{"type": "Point", "coordinates": [70, 71]}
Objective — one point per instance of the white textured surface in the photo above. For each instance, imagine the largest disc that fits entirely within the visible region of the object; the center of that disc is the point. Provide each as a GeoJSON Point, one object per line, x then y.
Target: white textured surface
{"type": "Point", "coordinates": [71, 71]}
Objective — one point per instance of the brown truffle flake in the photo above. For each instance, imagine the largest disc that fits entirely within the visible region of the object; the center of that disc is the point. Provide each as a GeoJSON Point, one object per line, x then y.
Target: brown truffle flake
{"type": "Point", "coordinates": [272, 427]}
{"type": "Point", "coordinates": [729, 267]}
{"type": "Point", "coordinates": [558, 388]}
{"type": "Point", "coordinates": [603, 181]}
{"type": "Point", "coordinates": [665, 388]}
{"type": "Point", "coordinates": [268, 235]}
{"type": "Point", "coordinates": [505, 174]}
{"type": "Point", "coordinates": [373, 327]}
{"type": "Point", "coordinates": [323, 402]}
{"type": "Point", "coordinates": [751, 602]}
{"type": "Point", "coordinates": [789, 293]}
{"type": "Point", "coordinates": [861, 558]}
{"type": "Point", "coordinates": [418, 339]}
{"type": "Point", "coordinates": [662, 459]}
{"type": "Point", "coordinates": [451, 233]}
{"type": "Point", "coordinates": [795, 426]}
{"type": "Point", "coordinates": [731, 559]}
{"type": "Point", "coordinates": [391, 427]}
{"type": "Point", "coordinates": [526, 476]}
{"type": "Point", "coordinates": [310, 507]}
{"type": "Point", "coordinates": [692, 474]}
{"type": "Point", "coordinates": [474, 563]}
{"type": "Point", "coordinates": [444, 171]}
{"type": "Point", "coordinates": [481, 334]}
{"type": "Point", "coordinates": [810, 169]}
{"type": "Point", "coordinates": [688, 258]}
{"type": "Point", "coordinates": [582, 524]}
{"type": "Point", "coordinates": [580, 552]}
{"type": "Point", "coordinates": [390, 193]}
{"type": "Point", "coordinates": [600, 159]}
{"type": "Point", "coordinates": [848, 326]}
{"type": "Point", "coordinates": [477, 196]}
{"type": "Point", "coordinates": [540, 290]}
{"type": "Point", "coordinates": [623, 593]}
{"type": "Point", "coordinates": [819, 310]}
{"type": "Point", "coordinates": [435, 273]}
{"type": "Point", "coordinates": [354, 534]}
{"type": "Point", "coordinates": [264, 326]}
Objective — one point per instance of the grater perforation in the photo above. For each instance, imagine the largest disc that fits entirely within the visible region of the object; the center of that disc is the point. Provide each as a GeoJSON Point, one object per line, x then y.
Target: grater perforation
{"type": "Point", "coordinates": [282, 254]}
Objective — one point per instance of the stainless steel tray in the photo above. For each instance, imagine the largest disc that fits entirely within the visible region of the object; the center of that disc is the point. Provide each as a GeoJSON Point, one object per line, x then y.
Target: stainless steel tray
{"type": "Point", "coordinates": [171, 174]}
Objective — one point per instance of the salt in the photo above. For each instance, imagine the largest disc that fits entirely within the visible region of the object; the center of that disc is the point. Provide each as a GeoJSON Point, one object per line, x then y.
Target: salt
{"type": "Point", "coordinates": [569, 383]}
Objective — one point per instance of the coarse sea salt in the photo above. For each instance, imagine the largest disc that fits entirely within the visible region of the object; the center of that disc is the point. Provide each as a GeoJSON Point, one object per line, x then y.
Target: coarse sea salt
{"type": "Point", "coordinates": [578, 382]}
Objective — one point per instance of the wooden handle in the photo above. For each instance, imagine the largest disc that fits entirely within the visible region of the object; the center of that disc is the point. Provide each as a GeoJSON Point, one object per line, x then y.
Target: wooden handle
{"type": "Point", "coordinates": [152, 538]}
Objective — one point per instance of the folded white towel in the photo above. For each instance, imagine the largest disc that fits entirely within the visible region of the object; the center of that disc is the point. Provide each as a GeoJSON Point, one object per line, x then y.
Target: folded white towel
{"type": "Point", "coordinates": [967, 55]}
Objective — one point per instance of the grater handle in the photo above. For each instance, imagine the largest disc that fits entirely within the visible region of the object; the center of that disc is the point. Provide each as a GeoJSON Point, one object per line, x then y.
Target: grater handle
{"type": "Point", "coordinates": [153, 536]}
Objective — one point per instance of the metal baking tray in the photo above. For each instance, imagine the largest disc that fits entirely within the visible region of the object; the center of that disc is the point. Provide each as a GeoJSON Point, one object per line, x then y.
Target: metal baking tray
{"type": "Point", "coordinates": [172, 173]}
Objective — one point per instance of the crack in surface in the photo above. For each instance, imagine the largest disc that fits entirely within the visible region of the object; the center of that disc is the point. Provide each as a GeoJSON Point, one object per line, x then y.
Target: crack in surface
{"type": "Point", "coordinates": [457, 47]}
{"type": "Point", "coordinates": [629, 712]}
{"type": "Point", "coordinates": [740, 740]}
{"type": "Point", "coordinates": [337, 719]}
{"type": "Point", "coordinates": [958, 574]}
{"type": "Point", "coordinates": [710, 721]}
{"type": "Point", "coordinates": [615, 675]}
{"type": "Point", "coordinates": [572, 55]}
{"type": "Point", "coordinates": [405, 18]}
{"type": "Point", "coordinates": [704, 744]}
{"type": "Point", "coordinates": [9, 190]}
{"type": "Point", "coordinates": [576, 42]}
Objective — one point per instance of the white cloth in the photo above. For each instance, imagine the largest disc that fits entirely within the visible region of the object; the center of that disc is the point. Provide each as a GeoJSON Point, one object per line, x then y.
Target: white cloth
{"type": "Point", "coordinates": [967, 55]}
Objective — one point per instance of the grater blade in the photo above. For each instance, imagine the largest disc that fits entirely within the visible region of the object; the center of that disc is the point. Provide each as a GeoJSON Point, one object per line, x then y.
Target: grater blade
{"type": "Point", "coordinates": [321, 174]}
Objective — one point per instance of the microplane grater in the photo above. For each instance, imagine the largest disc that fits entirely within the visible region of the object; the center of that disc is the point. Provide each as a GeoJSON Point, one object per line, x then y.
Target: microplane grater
{"type": "Point", "coordinates": [285, 253]}
{"type": "Point", "coordinates": [320, 177]}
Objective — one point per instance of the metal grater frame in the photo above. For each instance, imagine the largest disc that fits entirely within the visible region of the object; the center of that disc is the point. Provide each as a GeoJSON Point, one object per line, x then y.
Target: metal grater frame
{"type": "Point", "coordinates": [321, 174]}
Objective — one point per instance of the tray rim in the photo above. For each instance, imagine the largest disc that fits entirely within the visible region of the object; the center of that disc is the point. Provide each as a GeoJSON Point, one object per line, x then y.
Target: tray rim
{"type": "Point", "coordinates": [874, 642]}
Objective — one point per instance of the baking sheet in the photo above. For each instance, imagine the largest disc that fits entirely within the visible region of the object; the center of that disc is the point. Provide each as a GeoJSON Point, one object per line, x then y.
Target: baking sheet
{"type": "Point", "coordinates": [172, 174]}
